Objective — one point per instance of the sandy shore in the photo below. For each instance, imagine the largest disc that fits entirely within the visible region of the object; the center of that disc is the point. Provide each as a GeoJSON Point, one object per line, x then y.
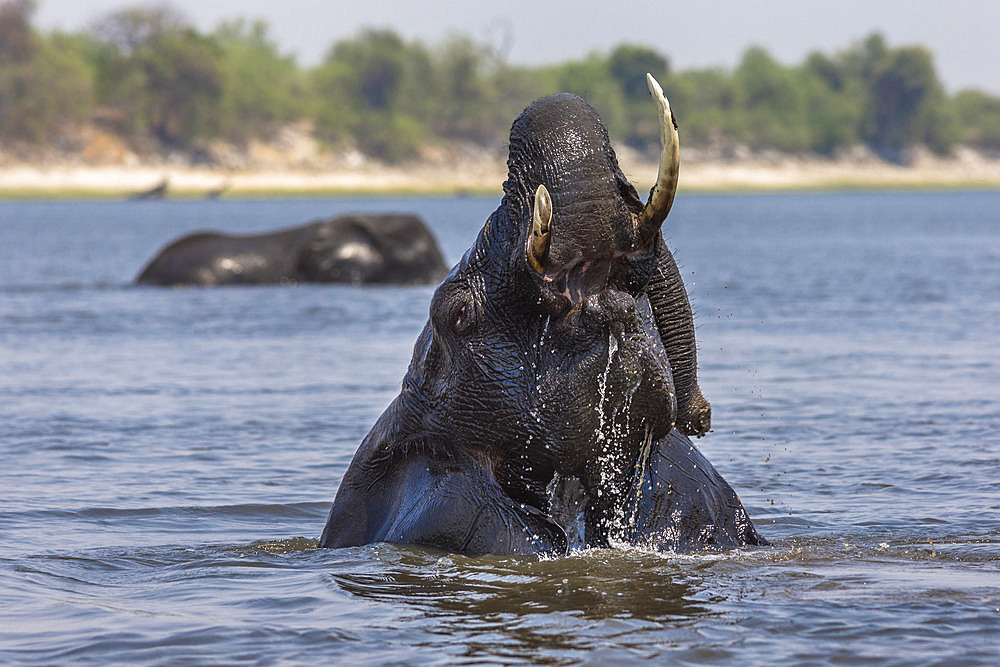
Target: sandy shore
{"type": "Point", "coordinates": [966, 169]}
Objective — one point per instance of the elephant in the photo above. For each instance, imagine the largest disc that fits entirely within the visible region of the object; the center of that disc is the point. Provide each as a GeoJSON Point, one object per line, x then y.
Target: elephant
{"type": "Point", "coordinates": [552, 392]}
{"type": "Point", "coordinates": [388, 248]}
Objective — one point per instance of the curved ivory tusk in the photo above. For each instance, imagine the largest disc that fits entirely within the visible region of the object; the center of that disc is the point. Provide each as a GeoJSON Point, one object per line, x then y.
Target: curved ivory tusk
{"type": "Point", "coordinates": [541, 230]}
{"type": "Point", "coordinates": [661, 196]}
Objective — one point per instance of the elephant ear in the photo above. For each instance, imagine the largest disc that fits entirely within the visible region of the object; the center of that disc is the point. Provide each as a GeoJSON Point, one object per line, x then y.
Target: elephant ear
{"type": "Point", "coordinates": [675, 323]}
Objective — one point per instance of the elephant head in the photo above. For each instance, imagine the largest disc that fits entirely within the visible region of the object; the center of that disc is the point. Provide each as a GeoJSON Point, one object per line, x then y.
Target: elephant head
{"type": "Point", "coordinates": [560, 346]}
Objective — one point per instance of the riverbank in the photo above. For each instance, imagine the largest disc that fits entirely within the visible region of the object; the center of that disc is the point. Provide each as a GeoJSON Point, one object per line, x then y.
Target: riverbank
{"type": "Point", "coordinates": [484, 174]}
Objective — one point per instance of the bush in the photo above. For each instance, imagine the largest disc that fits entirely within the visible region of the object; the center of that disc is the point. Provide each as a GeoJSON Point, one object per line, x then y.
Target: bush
{"type": "Point", "coordinates": [260, 87]}
{"type": "Point", "coordinates": [904, 100]}
{"type": "Point", "coordinates": [977, 116]}
{"type": "Point", "coordinates": [155, 76]}
{"type": "Point", "coordinates": [42, 94]}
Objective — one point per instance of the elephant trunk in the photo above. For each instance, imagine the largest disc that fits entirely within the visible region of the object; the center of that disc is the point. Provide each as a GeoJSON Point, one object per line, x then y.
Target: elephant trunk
{"type": "Point", "coordinates": [675, 322]}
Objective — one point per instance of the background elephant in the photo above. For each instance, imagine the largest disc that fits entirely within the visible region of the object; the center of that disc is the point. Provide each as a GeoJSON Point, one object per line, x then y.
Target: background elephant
{"type": "Point", "coordinates": [390, 248]}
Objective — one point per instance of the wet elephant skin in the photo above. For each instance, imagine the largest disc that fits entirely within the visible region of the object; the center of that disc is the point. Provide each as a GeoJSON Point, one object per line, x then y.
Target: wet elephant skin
{"type": "Point", "coordinates": [552, 391]}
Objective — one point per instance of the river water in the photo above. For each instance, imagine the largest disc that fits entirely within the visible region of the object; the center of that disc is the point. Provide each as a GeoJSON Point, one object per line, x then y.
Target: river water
{"type": "Point", "coordinates": [169, 455]}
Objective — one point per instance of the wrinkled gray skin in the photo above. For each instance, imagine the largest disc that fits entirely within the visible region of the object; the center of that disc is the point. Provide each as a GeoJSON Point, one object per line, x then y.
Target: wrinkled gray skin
{"type": "Point", "coordinates": [544, 412]}
{"type": "Point", "coordinates": [393, 248]}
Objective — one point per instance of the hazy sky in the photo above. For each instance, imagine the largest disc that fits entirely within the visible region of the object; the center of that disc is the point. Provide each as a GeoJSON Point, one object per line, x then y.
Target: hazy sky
{"type": "Point", "coordinates": [961, 33]}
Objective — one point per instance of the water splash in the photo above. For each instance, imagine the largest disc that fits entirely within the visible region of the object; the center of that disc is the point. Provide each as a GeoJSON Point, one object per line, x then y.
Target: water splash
{"type": "Point", "coordinates": [624, 448]}
{"type": "Point", "coordinates": [602, 387]}
{"type": "Point", "coordinates": [639, 478]}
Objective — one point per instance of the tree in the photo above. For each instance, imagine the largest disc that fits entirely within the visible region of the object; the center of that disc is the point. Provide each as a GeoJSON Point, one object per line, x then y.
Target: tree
{"type": "Point", "coordinates": [376, 89]}
{"type": "Point", "coordinates": [378, 62]}
{"type": "Point", "coordinates": [770, 106]}
{"type": "Point", "coordinates": [831, 113]}
{"type": "Point", "coordinates": [260, 86]}
{"type": "Point", "coordinates": [629, 64]}
{"type": "Point", "coordinates": [156, 77]}
{"type": "Point", "coordinates": [138, 27]}
{"type": "Point", "coordinates": [464, 103]}
{"type": "Point", "coordinates": [702, 102]}
{"type": "Point", "coordinates": [17, 39]}
{"type": "Point", "coordinates": [863, 59]}
{"type": "Point", "coordinates": [184, 87]}
{"type": "Point", "coordinates": [978, 117]}
{"type": "Point", "coordinates": [825, 69]}
{"type": "Point", "coordinates": [160, 73]}
{"type": "Point", "coordinates": [903, 94]}
{"type": "Point", "coordinates": [44, 86]}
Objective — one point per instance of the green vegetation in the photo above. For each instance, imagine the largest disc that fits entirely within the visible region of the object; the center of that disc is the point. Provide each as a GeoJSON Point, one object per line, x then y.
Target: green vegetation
{"type": "Point", "coordinates": [149, 77]}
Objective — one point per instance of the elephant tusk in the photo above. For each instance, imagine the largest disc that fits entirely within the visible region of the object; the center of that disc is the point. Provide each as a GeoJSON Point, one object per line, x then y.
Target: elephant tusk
{"type": "Point", "coordinates": [661, 195]}
{"type": "Point", "coordinates": [541, 230]}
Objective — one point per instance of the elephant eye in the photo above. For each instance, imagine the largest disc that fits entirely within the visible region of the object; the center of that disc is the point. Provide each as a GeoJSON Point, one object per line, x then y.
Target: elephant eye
{"type": "Point", "coordinates": [453, 309]}
{"type": "Point", "coordinates": [462, 318]}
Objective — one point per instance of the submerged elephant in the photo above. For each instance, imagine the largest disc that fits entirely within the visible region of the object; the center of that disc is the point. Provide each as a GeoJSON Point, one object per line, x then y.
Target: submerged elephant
{"type": "Point", "coordinates": [393, 248]}
{"type": "Point", "coordinates": [551, 393]}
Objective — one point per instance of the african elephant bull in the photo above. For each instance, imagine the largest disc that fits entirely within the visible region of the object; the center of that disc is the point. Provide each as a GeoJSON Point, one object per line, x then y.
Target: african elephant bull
{"type": "Point", "coordinates": [392, 248]}
{"type": "Point", "coordinates": [551, 393]}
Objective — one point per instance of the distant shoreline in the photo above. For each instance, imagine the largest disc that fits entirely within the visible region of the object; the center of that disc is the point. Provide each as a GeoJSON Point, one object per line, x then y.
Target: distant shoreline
{"type": "Point", "coordinates": [966, 170]}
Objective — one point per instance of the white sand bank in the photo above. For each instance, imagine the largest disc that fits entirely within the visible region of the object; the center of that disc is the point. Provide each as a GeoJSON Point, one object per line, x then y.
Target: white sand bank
{"type": "Point", "coordinates": [966, 169]}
